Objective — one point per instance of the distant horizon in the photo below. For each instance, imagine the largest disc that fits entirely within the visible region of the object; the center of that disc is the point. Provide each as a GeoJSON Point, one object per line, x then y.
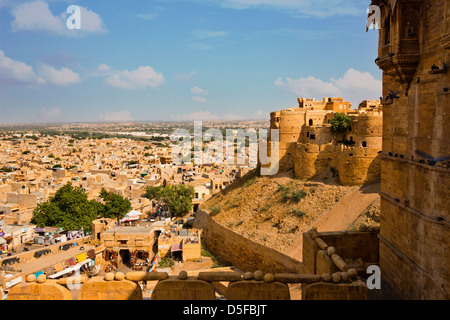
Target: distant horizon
{"type": "Point", "coordinates": [126, 122]}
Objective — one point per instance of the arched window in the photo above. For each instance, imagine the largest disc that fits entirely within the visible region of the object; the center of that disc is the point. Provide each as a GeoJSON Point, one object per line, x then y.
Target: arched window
{"type": "Point", "coordinates": [310, 122]}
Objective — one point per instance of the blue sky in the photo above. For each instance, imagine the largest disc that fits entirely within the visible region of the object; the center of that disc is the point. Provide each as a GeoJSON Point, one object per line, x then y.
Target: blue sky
{"type": "Point", "coordinates": [181, 59]}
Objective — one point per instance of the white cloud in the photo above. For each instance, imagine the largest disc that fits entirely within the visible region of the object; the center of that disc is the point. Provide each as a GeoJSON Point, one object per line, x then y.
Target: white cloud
{"type": "Point", "coordinates": [21, 73]}
{"type": "Point", "coordinates": [356, 79]}
{"type": "Point", "coordinates": [308, 87]}
{"type": "Point", "coordinates": [354, 86]}
{"type": "Point", "coordinates": [199, 95]}
{"type": "Point", "coordinates": [91, 21]}
{"type": "Point", "coordinates": [116, 116]}
{"type": "Point", "coordinates": [200, 91]}
{"type": "Point", "coordinates": [62, 77]}
{"type": "Point", "coordinates": [104, 67]}
{"type": "Point", "coordinates": [36, 16]}
{"type": "Point", "coordinates": [199, 99]}
{"type": "Point", "coordinates": [141, 78]}
{"type": "Point", "coordinates": [50, 115]}
{"type": "Point", "coordinates": [17, 71]}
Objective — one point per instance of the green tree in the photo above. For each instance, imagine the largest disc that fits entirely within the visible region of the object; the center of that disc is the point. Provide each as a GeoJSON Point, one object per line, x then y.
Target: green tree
{"type": "Point", "coordinates": [177, 197]}
{"type": "Point", "coordinates": [114, 205]}
{"type": "Point", "coordinates": [340, 122]}
{"type": "Point", "coordinates": [152, 193]}
{"type": "Point", "coordinates": [69, 208]}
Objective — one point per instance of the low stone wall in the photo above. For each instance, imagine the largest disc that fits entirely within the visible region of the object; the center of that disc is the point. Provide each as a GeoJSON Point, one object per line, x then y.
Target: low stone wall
{"type": "Point", "coordinates": [242, 252]}
{"type": "Point", "coordinates": [119, 286]}
{"type": "Point", "coordinates": [330, 291]}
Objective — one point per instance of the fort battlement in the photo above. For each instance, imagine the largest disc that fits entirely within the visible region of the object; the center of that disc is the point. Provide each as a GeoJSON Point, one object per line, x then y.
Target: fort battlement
{"type": "Point", "coordinates": [353, 165]}
{"type": "Point", "coordinates": [308, 145]}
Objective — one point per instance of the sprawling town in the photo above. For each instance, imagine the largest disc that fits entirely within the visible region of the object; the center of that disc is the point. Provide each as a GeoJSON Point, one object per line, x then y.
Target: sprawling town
{"type": "Point", "coordinates": [342, 194]}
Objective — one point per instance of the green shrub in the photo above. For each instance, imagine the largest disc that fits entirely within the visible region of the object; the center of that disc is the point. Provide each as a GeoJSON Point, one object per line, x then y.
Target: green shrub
{"type": "Point", "coordinates": [298, 195]}
{"type": "Point", "coordinates": [249, 182]}
{"type": "Point", "coordinates": [166, 262]}
{"type": "Point", "coordinates": [299, 213]}
{"type": "Point", "coordinates": [215, 210]}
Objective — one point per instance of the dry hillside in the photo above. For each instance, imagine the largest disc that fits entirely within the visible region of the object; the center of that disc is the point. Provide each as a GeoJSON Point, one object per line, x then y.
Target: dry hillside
{"type": "Point", "coordinates": [274, 211]}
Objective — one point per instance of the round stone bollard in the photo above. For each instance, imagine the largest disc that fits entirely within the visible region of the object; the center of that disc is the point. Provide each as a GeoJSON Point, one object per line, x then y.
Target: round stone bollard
{"type": "Point", "coordinates": [41, 278]}
{"type": "Point", "coordinates": [326, 277]}
{"type": "Point", "coordinates": [119, 276]}
{"type": "Point", "coordinates": [336, 277]}
{"type": "Point", "coordinates": [31, 278]}
{"type": "Point", "coordinates": [109, 276]}
{"type": "Point", "coordinates": [268, 277]}
{"type": "Point", "coordinates": [258, 275]}
{"type": "Point", "coordinates": [182, 275]}
{"type": "Point", "coordinates": [248, 276]}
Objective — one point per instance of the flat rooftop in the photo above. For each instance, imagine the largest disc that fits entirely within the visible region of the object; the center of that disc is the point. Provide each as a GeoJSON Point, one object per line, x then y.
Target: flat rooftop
{"type": "Point", "coordinates": [129, 230]}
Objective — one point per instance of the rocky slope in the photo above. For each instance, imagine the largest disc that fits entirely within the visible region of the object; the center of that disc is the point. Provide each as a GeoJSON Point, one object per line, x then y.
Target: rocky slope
{"type": "Point", "coordinates": [275, 210]}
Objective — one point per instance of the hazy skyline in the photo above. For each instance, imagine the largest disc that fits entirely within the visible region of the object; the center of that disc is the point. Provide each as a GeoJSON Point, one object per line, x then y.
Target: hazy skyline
{"type": "Point", "coordinates": [181, 59]}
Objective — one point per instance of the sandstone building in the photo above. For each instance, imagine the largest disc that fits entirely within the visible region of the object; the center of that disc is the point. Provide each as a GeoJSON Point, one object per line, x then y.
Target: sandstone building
{"type": "Point", "coordinates": [309, 146]}
{"type": "Point", "coordinates": [414, 43]}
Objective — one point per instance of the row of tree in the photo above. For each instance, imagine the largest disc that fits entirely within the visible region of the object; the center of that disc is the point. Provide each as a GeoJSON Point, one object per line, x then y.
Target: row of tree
{"type": "Point", "coordinates": [178, 198]}
{"type": "Point", "coordinates": [71, 209]}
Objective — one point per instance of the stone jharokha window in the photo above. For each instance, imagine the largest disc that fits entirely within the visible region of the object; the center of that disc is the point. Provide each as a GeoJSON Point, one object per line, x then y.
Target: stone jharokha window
{"type": "Point", "coordinates": [409, 33]}
{"type": "Point", "coordinates": [411, 24]}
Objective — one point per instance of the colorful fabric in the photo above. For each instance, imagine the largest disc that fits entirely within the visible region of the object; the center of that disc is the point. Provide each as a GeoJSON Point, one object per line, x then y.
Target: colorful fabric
{"type": "Point", "coordinates": [81, 257]}
{"type": "Point", "coordinates": [37, 274]}
{"type": "Point", "coordinates": [58, 267]}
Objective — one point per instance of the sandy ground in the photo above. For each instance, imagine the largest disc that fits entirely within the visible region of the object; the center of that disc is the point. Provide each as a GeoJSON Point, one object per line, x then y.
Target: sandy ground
{"type": "Point", "coordinates": [342, 215]}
